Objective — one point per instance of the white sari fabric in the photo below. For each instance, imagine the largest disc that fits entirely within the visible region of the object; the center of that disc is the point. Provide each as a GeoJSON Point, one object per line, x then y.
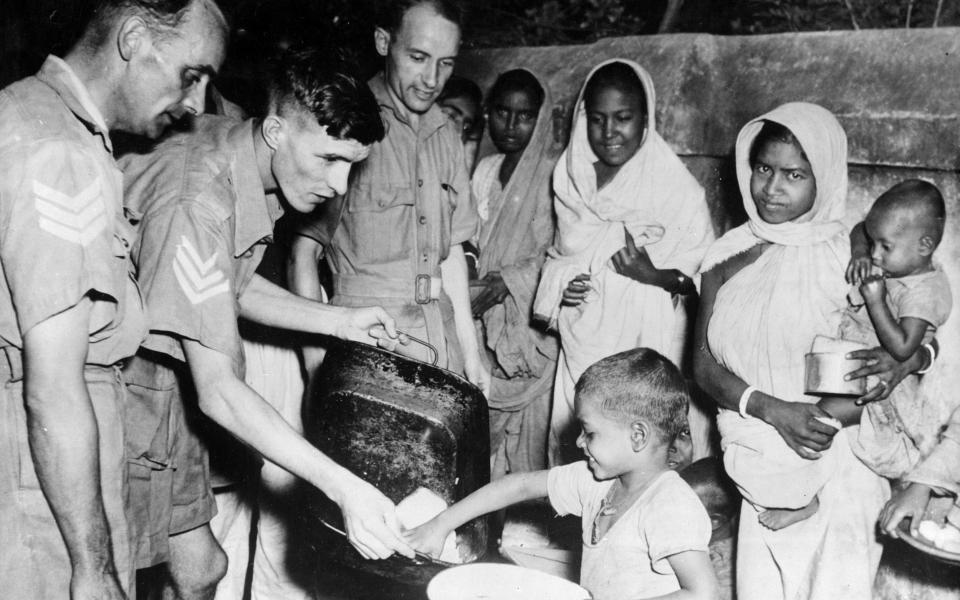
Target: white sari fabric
{"type": "Point", "coordinates": [656, 199]}
{"type": "Point", "coordinates": [764, 321]}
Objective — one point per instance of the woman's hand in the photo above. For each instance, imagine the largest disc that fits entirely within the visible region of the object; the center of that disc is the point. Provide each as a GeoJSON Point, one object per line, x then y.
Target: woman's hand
{"type": "Point", "coordinates": [576, 291]}
{"type": "Point", "coordinates": [492, 294]}
{"type": "Point", "coordinates": [799, 424]}
{"type": "Point", "coordinates": [635, 263]}
{"type": "Point", "coordinates": [889, 371]}
{"type": "Point", "coordinates": [427, 538]}
{"type": "Point", "coordinates": [908, 503]}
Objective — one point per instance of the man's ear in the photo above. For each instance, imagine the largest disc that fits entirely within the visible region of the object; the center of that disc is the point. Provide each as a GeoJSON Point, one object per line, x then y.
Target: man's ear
{"type": "Point", "coordinates": [381, 41]}
{"type": "Point", "coordinates": [273, 129]}
{"type": "Point", "coordinates": [639, 435]}
{"type": "Point", "coordinates": [927, 245]}
{"type": "Point", "coordinates": [132, 36]}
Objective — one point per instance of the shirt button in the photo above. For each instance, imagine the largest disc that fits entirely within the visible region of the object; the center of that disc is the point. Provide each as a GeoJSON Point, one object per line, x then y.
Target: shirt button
{"type": "Point", "coordinates": [424, 257]}
{"type": "Point", "coordinates": [419, 183]}
{"type": "Point", "coordinates": [423, 220]}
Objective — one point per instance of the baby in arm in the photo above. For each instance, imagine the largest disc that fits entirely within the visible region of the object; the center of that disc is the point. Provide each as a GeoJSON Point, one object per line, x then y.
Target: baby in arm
{"type": "Point", "coordinates": [900, 299]}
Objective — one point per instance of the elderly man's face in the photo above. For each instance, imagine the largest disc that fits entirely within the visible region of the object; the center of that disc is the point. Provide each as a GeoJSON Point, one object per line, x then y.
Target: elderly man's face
{"type": "Point", "coordinates": [167, 77]}
{"type": "Point", "coordinates": [419, 57]}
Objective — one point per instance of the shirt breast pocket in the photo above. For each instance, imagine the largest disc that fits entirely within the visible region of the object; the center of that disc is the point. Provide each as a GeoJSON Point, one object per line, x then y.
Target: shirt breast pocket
{"type": "Point", "coordinates": [366, 198]}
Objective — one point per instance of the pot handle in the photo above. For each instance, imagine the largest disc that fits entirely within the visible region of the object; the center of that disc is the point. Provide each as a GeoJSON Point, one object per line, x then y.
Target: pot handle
{"type": "Point", "coordinates": [429, 346]}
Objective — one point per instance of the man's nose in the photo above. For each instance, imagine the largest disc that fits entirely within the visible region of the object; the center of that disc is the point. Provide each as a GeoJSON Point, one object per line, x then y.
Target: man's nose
{"type": "Point", "coordinates": [195, 101]}
{"type": "Point", "coordinates": [431, 74]}
{"type": "Point", "coordinates": [339, 175]}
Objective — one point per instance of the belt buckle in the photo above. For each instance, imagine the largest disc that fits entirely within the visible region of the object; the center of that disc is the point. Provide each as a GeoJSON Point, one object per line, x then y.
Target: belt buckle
{"type": "Point", "coordinates": [423, 289]}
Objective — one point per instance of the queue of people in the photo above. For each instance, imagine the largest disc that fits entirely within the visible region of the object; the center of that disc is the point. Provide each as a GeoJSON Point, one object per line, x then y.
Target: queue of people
{"type": "Point", "coordinates": [125, 277]}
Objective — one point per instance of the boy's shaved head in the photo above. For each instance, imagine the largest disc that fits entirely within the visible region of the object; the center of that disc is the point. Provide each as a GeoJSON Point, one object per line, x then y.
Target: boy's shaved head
{"type": "Point", "coordinates": [918, 201]}
{"type": "Point", "coordinates": [639, 384]}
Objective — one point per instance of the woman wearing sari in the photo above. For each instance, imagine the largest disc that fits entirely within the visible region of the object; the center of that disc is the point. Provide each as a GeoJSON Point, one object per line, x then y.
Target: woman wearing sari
{"type": "Point", "coordinates": [512, 188]}
{"type": "Point", "coordinates": [633, 226]}
{"type": "Point", "coordinates": [768, 288]}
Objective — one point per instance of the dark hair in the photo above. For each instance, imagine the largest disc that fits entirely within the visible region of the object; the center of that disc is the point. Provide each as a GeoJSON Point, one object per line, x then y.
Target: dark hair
{"type": "Point", "coordinates": [324, 83]}
{"type": "Point", "coordinates": [774, 132]}
{"type": "Point", "coordinates": [461, 87]}
{"type": "Point", "coordinates": [639, 384]}
{"type": "Point", "coordinates": [162, 17]}
{"type": "Point", "coordinates": [923, 199]}
{"type": "Point", "coordinates": [391, 12]}
{"type": "Point", "coordinates": [617, 75]}
{"type": "Point", "coordinates": [519, 80]}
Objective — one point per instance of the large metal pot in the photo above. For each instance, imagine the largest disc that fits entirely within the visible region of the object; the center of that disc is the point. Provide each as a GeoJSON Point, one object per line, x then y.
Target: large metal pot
{"type": "Point", "coordinates": [399, 424]}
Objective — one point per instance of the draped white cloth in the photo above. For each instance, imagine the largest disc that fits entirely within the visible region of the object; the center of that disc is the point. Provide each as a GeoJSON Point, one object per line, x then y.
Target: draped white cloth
{"type": "Point", "coordinates": [663, 207]}
{"type": "Point", "coordinates": [764, 321]}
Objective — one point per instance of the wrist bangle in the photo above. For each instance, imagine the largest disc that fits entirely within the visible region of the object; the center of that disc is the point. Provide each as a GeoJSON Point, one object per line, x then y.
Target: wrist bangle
{"type": "Point", "coordinates": [744, 398]}
{"type": "Point", "coordinates": [933, 359]}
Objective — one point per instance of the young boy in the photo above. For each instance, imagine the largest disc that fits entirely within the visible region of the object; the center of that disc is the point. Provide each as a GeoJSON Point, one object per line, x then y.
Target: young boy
{"type": "Point", "coordinates": [645, 532]}
{"type": "Point", "coordinates": [903, 296]}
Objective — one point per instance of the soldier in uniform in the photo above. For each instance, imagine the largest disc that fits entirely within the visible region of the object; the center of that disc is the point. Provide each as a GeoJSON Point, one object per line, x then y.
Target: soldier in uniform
{"type": "Point", "coordinates": [395, 238]}
{"type": "Point", "coordinates": [209, 199]}
{"type": "Point", "coordinates": [70, 311]}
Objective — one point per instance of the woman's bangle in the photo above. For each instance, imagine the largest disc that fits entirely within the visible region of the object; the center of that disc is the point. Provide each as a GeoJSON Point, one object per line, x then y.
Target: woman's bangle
{"type": "Point", "coordinates": [933, 359]}
{"type": "Point", "coordinates": [744, 398]}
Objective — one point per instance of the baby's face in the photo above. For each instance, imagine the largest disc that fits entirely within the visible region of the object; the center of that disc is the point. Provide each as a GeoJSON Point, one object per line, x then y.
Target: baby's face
{"type": "Point", "coordinates": [895, 242]}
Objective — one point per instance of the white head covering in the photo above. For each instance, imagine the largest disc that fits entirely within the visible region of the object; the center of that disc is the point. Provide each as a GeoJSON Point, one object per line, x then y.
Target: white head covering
{"type": "Point", "coordinates": [825, 145]}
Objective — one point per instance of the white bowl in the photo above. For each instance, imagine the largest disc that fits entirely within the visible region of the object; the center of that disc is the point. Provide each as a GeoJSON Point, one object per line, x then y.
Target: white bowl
{"type": "Point", "coordinates": [479, 581]}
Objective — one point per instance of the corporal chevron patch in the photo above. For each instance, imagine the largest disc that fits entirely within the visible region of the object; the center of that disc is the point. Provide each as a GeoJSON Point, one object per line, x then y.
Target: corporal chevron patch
{"type": "Point", "coordinates": [198, 278]}
{"type": "Point", "coordinates": [78, 219]}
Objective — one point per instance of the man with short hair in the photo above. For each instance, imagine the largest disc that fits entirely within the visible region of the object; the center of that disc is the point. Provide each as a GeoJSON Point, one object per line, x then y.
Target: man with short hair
{"type": "Point", "coordinates": [394, 239]}
{"type": "Point", "coordinates": [209, 199]}
{"type": "Point", "coordinates": [69, 309]}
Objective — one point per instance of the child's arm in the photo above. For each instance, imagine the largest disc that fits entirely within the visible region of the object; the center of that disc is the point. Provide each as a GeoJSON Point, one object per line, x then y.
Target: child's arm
{"type": "Point", "coordinates": [901, 339]}
{"type": "Point", "coordinates": [696, 576]}
{"type": "Point", "coordinates": [498, 494]}
{"type": "Point", "coordinates": [860, 263]}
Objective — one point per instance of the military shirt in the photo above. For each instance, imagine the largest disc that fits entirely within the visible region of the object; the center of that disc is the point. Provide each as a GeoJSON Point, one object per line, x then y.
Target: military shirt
{"type": "Point", "coordinates": [406, 204]}
{"type": "Point", "coordinates": [63, 231]}
{"type": "Point", "coordinates": [205, 225]}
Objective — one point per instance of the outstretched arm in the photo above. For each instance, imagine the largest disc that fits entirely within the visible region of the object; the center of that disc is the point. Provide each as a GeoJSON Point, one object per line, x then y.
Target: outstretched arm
{"type": "Point", "coordinates": [267, 303]}
{"type": "Point", "coordinates": [368, 515]}
{"type": "Point", "coordinates": [498, 494]}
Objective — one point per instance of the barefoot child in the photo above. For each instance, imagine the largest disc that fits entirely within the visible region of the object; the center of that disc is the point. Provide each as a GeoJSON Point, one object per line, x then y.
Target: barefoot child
{"type": "Point", "coordinates": [901, 300]}
{"type": "Point", "coordinates": [645, 532]}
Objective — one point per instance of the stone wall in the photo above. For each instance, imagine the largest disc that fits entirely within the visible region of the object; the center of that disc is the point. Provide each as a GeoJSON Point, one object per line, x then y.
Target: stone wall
{"type": "Point", "coordinates": [896, 92]}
